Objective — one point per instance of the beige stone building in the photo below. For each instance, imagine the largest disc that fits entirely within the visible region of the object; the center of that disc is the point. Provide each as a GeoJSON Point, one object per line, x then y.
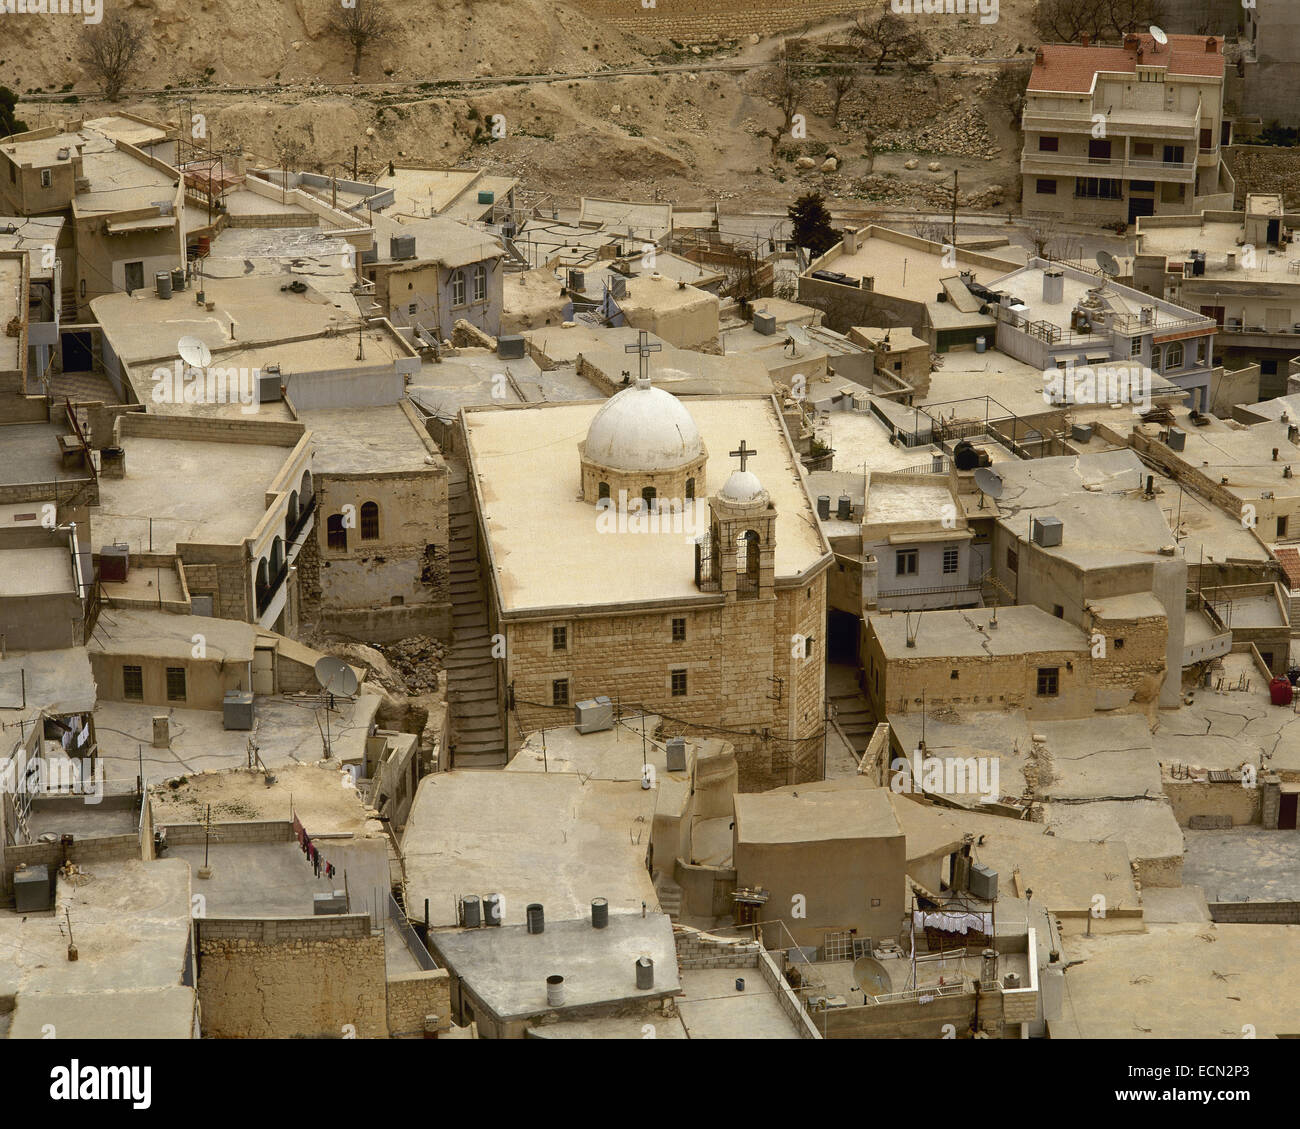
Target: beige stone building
{"type": "Point", "coordinates": [623, 562]}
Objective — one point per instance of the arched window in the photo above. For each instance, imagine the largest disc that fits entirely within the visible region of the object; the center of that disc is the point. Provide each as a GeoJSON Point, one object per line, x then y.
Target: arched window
{"type": "Point", "coordinates": [336, 535]}
{"type": "Point", "coordinates": [480, 283]}
{"type": "Point", "coordinates": [277, 556]}
{"type": "Point", "coordinates": [602, 491]}
{"type": "Point", "coordinates": [369, 521]}
{"type": "Point", "coordinates": [747, 564]}
{"type": "Point", "coordinates": [291, 513]}
{"type": "Point", "coordinates": [263, 580]}
{"type": "Point", "coordinates": [1174, 356]}
{"type": "Point", "coordinates": [458, 288]}
{"type": "Point", "coordinates": [690, 489]}
{"type": "Point", "coordinates": [648, 497]}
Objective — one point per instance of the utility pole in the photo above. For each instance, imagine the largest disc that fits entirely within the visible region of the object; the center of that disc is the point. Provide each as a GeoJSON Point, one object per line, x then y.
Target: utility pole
{"type": "Point", "coordinates": [954, 209]}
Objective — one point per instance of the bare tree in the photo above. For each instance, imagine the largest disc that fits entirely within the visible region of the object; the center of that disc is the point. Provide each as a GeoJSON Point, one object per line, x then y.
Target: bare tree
{"type": "Point", "coordinates": [884, 37]}
{"type": "Point", "coordinates": [931, 230]}
{"type": "Point", "coordinates": [111, 48]}
{"type": "Point", "coordinates": [788, 90]}
{"type": "Point", "coordinates": [362, 26]}
{"type": "Point", "coordinates": [1063, 21]}
{"type": "Point", "coordinates": [1124, 16]}
{"type": "Point", "coordinates": [1043, 234]}
{"type": "Point", "coordinates": [1008, 90]}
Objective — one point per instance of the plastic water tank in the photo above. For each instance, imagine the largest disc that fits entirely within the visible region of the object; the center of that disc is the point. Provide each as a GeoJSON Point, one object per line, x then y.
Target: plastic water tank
{"type": "Point", "coordinates": [981, 345]}
{"type": "Point", "coordinates": [1280, 691]}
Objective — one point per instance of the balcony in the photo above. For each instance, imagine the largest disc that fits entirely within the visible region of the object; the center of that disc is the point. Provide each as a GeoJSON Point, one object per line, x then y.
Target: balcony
{"type": "Point", "coordinates": [1112, 168]}
{"type": "Point", "coordinates": [1153, 124]}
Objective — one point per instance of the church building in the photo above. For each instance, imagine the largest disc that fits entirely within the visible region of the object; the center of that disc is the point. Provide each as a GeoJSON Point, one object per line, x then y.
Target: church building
{"type": "Point", "coordinates": [663, 553]}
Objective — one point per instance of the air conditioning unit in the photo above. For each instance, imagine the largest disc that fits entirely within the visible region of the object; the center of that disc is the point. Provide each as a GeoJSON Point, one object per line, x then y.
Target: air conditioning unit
{"type": "Point", "coordinates": [676, 750]}
{"type": "Point", "coordinates": [114, 561]}
{"type": "Point", "coordinates": [983, 882]}
{"type": "Point", "coordinates": [335, 903]}
{"type": "Point", "coordinates": [1047, 532]}
{"type": "Point", "coordinates": [237, 709]}
{"type": "Point", "coordinates": [33, 892]}
{"type": "Point", "coordinates": [577, 280]}
{"type": "Point", "coordinates": [1176, 440]}
{"type": "Point", "coordinates": [268, 386]}
{"type": "Point", "coordinates": [765, 324]}
{"type": "Point", "coordinates": [510, 346]}
{"type": "Point", "coordinates": [1081, 432]}
{"type": "Point", "coordinates": [401, 247]}
{"type": "Point", "coordinates": [595, 715]}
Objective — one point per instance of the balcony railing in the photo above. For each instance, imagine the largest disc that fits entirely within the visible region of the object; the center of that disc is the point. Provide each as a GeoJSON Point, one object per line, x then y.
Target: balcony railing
{"type": "Point", "coordinates": [266, 593]}
{"type": "Point", "coordinates": [304, 515]}
{"type": "Point", "coordinates": [1114, 168]}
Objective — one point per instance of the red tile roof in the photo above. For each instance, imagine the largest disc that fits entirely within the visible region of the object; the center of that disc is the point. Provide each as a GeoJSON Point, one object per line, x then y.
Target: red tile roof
{"type": "Point", "coordinates": [1289, 559]}
{"type": "Point", "coordinates": [1071, 68]}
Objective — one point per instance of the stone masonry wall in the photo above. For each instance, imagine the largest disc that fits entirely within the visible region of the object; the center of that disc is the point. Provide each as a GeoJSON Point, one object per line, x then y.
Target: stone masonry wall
{"type": "Point", "coordinates": [311, 977]}
{"type": "Point", "coordinates": [414, 995]}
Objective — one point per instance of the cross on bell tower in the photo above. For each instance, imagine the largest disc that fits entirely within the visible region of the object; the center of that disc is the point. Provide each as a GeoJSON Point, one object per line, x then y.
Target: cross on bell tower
{"type": "Point", "coordinates": [743, 455]}
{"type": "Point", "coordinates": [643, 349]}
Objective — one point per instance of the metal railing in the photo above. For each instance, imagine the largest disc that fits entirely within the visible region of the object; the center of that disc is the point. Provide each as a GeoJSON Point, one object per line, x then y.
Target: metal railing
{"type": "Point", "coordinates": [413, 943]}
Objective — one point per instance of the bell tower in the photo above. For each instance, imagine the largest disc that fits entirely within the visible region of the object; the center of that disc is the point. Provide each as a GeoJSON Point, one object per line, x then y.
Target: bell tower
{"type": "Point", "coordinates": [742, 528]}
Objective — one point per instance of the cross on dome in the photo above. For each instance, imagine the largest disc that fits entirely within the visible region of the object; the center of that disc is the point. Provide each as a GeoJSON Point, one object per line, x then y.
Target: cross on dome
{"type": "Point", "coordinates": [643, 349]}
{"type": "Point", "coordinates": [742, 454]}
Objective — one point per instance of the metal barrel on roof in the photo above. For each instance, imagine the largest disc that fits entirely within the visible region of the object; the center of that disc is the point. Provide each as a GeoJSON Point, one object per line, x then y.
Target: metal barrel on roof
{"type": "Point", "coordinates": [645, 972]}
{"type": "Point", "coordinates": [599, 913]}
{"type": "Point", "coordinates": [470, 911]}
{"type": "Point", "coordinates": [536, 918]}
{"type": "Point", "coordinates": [493, 909]}
{"type": "Point", "coordinates": [555, 991]}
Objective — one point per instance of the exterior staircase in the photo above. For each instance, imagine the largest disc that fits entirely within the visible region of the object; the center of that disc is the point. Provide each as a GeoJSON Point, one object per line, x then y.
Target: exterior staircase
{"type": "Point", "coordinates": [478, 733]}
{"type": "Point", "coordinates": [669, 894]}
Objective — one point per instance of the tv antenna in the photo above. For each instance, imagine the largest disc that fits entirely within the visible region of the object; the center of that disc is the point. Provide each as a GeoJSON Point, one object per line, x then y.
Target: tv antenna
{"type": "Point", "coordinates": [194, 352]}
{"type": "Point", "coordinates": [336, 679]}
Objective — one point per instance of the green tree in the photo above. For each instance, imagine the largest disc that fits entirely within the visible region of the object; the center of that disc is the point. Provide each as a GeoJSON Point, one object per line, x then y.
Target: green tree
{"type": "Point", "coordinates": [812, 224]}
{"type": "Point", "coordinates": [8, 122]}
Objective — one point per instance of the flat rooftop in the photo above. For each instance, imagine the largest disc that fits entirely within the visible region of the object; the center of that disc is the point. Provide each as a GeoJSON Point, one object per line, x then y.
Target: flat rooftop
{"type": "Point", "coordinates": [31, 234]}
{"type": "Point", "coordinates": [1243, 864]}
{"type": "Point", "coordinates": [314, 791]}
{"type": "Point", "coordinates": [185, 491]}
{"type": "Point", "coordinates": [36, 572]}
{"type": "Point", "coordinates": [438, 239]}
{"type": "Point", "coordinates": [131, 920]}
{"type": "Point", "coordinates": [551, 838]}
{"type": "Point", "coordinates": [55, 681]}
{"type": "Point", "coordinates": [1147, 828]}
{"type": "Point", "coordinates": [1026, 286]}
{"type": "Point", "coordinates": [452, 192]}
{"type": "Point", "coordinates": [507, 967]}
{"type": "Point", "coordinates": [373, 440]}
{"type": "Point", "coordinates": [710, 1007]}
{"type": "Point", "coordinates": [908, 501]}
{"type": "Point", "coordinates": [911, 267]}
{"type": "Point", "coordinates": [834, 810]}
{"type": "Point", "coordinates": [248, 310]}
{"type": "Point", "coordinates": [1022, 629]}
{"type": "Point", "coordinates": [1218, 239]}
{"type": "Point", "coordinates": [1224, 728]}
{"type": "Point", "coordinates": [1064, 872]}
{"type": "Point", "coordinates": [1245, 458]}
{"type": "Point", "coordinates": [532, 516]}
{"type": "Point", "coordinates": [29, 454]}
{"type": "Point", "coordinates": [288, 731]}
{"type": "Point", "coordinates": [1100, 500]}
{"type": "Point", "coordinates": [1171, 983]}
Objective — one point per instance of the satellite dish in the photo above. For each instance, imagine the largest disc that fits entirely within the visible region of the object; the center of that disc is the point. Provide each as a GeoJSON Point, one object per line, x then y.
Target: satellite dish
{"type": "Point", "coordinates": [1108, 263]}
{"type": "Point", "coordinates": [193, 352]}
{"type": "Point", "coordinates": [870, 975]}
{"type": "Point", "coordinates": [1158, 35]}
{"type": "Point", "coordinates": [336, 677]}
{"type": "Point", "coordinates": [989, 481]}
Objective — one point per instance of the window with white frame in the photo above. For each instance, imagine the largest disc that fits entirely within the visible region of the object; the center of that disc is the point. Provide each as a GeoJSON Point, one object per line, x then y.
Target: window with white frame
{"type": "Point", "coordinates": [458, 288]}
{"type": "Point", "coordinates": [480, 283]}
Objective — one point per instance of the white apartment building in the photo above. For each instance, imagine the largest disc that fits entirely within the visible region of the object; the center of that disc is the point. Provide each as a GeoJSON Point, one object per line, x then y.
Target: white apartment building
{"type": "Point", "coordinates": [1114, 133]}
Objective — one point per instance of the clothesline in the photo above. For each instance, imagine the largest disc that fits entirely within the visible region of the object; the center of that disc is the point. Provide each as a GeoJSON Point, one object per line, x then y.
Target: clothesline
{"type": "Point", "coordinates": [318, 861]}
{"type": "Point", "coordinates": [953, 922]}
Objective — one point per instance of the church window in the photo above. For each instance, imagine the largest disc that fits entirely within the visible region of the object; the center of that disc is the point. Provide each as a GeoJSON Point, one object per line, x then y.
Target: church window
{"type": "Point", "coordinates": [602, 491]}
{"type": "Point", "coordinates": [336, 534]}
{"type": "Point", "coordinates": [690, 489]}
{"type": "Point", "coordinates": [369, 521]}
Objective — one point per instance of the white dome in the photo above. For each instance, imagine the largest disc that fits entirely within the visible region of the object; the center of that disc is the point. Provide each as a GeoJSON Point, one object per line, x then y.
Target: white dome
{"type": "Point", "coordinates": [742, 486]}
{"type": "Point", "coordinates": [643, 428]}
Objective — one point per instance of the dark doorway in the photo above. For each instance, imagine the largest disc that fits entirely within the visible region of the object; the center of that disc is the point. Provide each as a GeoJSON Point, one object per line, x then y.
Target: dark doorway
{"type": "Point", "coordinates": [1137, 206]}
{"type": "Point", "coordinates": [842, 637]}
{"type": "Point", "coordinates": [134, 276]}
{"type": "Point", "coordinates": [1286, 813]}
{"type": "Point", "coordinates": [1274, 232]}
{"type": "Point", "coordinates": [77, 356]}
